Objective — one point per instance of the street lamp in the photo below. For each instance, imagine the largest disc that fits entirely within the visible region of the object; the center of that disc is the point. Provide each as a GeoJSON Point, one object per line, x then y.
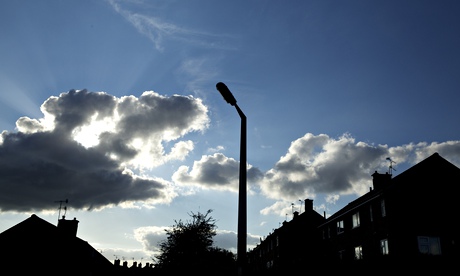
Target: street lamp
{"type": "Point", "coordinates": [242, 212]}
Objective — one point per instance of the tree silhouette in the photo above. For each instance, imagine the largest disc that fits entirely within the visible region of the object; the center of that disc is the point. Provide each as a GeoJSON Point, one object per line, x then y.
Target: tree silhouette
{"type": "Point", "coordinates": [189, 249]}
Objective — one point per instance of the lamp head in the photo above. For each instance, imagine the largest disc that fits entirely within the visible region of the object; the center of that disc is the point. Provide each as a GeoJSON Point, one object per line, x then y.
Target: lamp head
{"type": "Point", "coordinates": [225, 92]}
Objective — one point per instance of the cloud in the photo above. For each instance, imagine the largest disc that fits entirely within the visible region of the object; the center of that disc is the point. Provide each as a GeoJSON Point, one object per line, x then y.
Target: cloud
{"type": "Point", "coordinates": [279, 208]}
{"type": "Point", "coordinates": [214, 172]}
{"type": "Point", "coordinates": [48, 159]}
{"type": "Point", "coordinates": [324, 165]}
{"type": "Point", "coordinates": [313, 164]}
{"type": "Point", "coordinates": [94, 149]}
{"type": "Point", "coordinates": [151, 236]}
{"type": "Point", "coordinates": [157, 29]}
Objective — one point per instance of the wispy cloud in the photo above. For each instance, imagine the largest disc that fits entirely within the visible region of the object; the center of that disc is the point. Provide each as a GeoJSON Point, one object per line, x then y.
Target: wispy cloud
{"type": "Point", "coordinates": [158, 30]}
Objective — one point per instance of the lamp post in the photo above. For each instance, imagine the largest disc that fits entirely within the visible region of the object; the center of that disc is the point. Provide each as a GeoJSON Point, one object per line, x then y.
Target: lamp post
{"type": "Point", "coordinates": [242, 201]}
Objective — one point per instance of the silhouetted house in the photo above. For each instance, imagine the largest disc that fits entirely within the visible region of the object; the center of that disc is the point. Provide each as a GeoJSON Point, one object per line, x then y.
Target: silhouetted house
{"type": "Point", "coordinates": [35, 246]}
{"type": "Point", "coordinates": [403, 224]}
{"type": "Point", "coordinates": [286, 249]}
{"type": "Point", "coordinates": [408, 221]}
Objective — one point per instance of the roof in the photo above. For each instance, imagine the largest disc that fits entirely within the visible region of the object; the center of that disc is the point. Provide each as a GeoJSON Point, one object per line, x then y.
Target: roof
{"type": "Point", "coordinates": [37, 242]}
{"type": "Point", "coordinates": [421, 176]}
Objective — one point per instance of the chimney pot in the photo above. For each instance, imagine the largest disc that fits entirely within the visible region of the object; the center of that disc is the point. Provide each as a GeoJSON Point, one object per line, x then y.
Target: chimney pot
{"type": "Point", "coordinates": [68, 227]}
{"type": "Point", "coordinates": [308, 204]}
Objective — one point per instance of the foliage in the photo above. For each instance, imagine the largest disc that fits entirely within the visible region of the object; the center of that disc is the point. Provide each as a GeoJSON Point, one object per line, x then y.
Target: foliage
{"type": "Point", "coordinates": [189, 249]}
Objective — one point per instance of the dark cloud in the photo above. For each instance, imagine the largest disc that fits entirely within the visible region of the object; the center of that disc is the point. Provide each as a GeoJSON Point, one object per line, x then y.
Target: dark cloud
{"type": "Point", "coordinates": [215, 172]}
{"type": "Point", "coordinates": [76, 108]}
{"type": "Point", "coordinates": [47, 159]}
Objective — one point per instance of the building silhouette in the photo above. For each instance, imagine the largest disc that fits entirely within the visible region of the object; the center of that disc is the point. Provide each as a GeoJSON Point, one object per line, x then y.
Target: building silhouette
{"type": "Point", "coordinates": [406, 222]}
{"type": "Point", "coordinates": [39, 247]}
{"type": "Point", "coordinates": [286, 249]}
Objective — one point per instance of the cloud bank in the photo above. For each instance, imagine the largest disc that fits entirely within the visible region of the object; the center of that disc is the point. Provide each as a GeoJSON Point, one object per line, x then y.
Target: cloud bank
{"type": "Point", "coordinates": [98, 151]}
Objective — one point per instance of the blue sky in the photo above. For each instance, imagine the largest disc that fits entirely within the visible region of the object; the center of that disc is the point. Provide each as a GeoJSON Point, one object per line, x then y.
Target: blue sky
{"type": "Point", "coordinates": [113, 106]}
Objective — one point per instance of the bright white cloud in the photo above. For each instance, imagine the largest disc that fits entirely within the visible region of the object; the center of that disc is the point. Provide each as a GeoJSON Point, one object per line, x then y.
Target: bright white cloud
{"type": "Point", "coordinates": [150, 237]}
{"type": "Point", "coordinates": [332, 199]}
{"type": "Point", "coordinates": [280, 208]}
{"type": "Point", "coordinates": [342, 166]}
{"type": "Point", "coordinates": [313, 164]}
{"type": "Point", "coordinates": [320, 164]}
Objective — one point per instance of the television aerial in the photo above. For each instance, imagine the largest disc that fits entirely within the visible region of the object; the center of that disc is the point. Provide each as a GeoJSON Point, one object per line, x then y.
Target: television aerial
{"type": "Point", "coordinates": [390, 168]}
{"type": "Point", "coordinates": [60, 207]}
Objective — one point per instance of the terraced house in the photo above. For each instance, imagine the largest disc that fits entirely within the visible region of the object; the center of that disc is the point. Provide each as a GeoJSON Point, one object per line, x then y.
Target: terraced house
{"type": "Point", "coordinates": [404, 222]}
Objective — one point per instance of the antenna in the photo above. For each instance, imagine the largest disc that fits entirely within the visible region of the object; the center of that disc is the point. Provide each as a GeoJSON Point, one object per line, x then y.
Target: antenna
{"type": "Point", "coordinates": [60, 207]}
{"type": "Point", "coordinates": [390, 168]}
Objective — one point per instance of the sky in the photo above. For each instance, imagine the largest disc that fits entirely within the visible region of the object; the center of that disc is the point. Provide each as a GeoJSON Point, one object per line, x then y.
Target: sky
{"type": "Point", "coordinates": [112, 105]}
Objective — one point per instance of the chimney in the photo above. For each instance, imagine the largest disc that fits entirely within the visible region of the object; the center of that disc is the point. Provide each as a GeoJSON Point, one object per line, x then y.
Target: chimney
{"type": "Point", "coordinates": [68, 228]}
{"type": "Point", "coordinates": [308, 204]}
{"type": "Point", "coordinates": [380, 180]}
{"type": "Point", "coordinates": [296, 214]}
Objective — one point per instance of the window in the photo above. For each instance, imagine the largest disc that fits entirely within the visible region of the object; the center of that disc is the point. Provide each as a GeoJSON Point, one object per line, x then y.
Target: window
{"type": "Point", "coordinates": [384, 247]}
{"type": "Point", "coordinates": [382, 207]}
{"type": "Point", "coordinates": [340, 227]}
{"type": "Point", "coordinates": [429, 245]}
{"type": "Point", "coordinates": [356, 220]}
{"type": "Point", "coordinates": [358, 253]}
{"type": "Point", "coordinates": [269, 264]}
{"type": "Point", "coordinates": [370, 212]}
